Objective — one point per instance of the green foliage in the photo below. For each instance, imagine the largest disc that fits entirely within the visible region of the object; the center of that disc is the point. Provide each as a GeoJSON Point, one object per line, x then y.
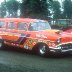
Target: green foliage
{"type": "Point", "coordinates": [34, 8]}
{"type": "Point", "coordinates": [12, 7]}
{"type": "Point", "coordinates": [56, 9]}
{"type": "Point", "coordinates": [67, 6]}
{"type": "Point", "coordinates": [2, 10]}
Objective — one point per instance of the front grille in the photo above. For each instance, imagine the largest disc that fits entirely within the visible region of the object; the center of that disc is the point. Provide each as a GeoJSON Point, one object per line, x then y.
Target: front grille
{"type": "Point", "coordinates": [66, 46]}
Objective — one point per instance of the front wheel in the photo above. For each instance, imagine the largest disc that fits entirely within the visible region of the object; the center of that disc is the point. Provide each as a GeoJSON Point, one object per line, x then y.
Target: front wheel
{"type": "Point", "coordinates": [1, 44]}
{"type": "Point", "coordinates": [43, 50]}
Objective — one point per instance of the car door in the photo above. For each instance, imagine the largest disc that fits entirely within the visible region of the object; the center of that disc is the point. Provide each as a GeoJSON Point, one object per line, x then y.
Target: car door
{"type": "Point", "coordinates": [10, 31]}
{"type": "Point", "coordinates": [22, 31]}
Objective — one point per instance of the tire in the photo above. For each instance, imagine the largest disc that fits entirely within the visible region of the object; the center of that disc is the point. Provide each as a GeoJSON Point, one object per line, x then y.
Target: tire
{"type": "Point", "coordinates": [43, 50]}
{"type": "Point", "coordinates": [1, 44]}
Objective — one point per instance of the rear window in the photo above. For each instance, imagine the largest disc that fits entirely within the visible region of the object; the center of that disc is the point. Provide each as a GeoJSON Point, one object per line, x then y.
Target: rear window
{"type": "Point", "coordinates": [22, 26]}
{"type": "Point", "coordinates": [2, 24]}
{"type": "Point", "coordinates": [11, 25]}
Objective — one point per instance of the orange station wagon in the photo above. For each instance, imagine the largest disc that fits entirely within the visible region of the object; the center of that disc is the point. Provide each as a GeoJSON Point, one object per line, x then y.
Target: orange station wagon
{"type": "Point", "coordinates": [34, 34]}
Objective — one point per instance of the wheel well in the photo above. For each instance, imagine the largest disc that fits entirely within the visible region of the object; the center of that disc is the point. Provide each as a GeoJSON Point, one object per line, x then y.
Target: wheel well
{"type": "Point", "coordinates": [35, 48]}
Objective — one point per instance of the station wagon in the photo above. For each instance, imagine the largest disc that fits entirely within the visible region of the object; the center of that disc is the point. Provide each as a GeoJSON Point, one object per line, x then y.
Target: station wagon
{"type": "Point", "coordinates": [34, 34]}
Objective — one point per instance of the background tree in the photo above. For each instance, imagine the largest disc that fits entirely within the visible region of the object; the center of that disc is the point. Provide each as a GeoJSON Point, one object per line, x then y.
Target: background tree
{"type": "Point", "coordinates": [67, 6]}
{"type": "Point", "coordinates": [56, 9]}
{"type": "Point", "coordinates": [12, 7]}
{"type": "Point", "coordinates": [2, 9]}
{"type": "Point", "coordinates": [35, 9]}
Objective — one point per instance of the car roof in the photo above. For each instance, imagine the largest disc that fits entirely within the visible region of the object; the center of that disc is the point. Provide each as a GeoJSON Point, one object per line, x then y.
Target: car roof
{"type": "Point", "coordinates": [26, 20]}
{"type": "Point", "coordinates": [1, 19]}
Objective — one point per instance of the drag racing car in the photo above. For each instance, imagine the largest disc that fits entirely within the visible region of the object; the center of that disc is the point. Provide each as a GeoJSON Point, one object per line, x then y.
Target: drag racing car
{"type": "Point", "coordinates": [35, 35]}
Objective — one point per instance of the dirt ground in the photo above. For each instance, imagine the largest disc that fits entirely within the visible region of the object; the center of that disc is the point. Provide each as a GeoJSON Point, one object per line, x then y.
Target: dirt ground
{"type": "Point", "coordinates": [18, 61]}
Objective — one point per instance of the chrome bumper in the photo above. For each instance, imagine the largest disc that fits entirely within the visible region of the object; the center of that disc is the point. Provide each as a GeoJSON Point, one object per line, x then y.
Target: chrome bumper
{"type": "Point", "coordinates": [66, 47]}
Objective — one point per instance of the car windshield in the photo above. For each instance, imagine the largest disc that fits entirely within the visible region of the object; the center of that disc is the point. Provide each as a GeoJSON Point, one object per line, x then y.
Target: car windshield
{"type": "Point", "coordinates": [37, 26]}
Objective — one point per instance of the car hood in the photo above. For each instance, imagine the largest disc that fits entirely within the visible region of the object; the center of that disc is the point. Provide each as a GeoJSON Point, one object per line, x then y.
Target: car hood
{"type": "Point", "coordinates": [53, 35]}
{"type": "Point", "coordinates": [48, 34]}
{"type": "Point", "coordinates": [69, 31]}
{"type": "Point", "coordinates": [52, 30]}
{"type": "Point", "coordinates": [66, 37]}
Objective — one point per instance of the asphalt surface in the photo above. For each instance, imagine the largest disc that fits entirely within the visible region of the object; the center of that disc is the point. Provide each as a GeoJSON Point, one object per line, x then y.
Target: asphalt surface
{"type": "Point", "coordinates": [15, 60]}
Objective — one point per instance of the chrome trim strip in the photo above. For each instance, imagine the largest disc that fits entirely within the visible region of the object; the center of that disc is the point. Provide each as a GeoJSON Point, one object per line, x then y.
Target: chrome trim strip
{"type": "Point", "coordinates": [58, 47]}
{"type": "Point", "coordinates": [64, 43]}
{"type": "Point", "coordinates": [66, 50]}
{"type": "Point", "coordinates": [54, 48]}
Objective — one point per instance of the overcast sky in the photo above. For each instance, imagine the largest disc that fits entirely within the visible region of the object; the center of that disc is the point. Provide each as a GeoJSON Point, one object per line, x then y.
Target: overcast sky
{"type": "Point", "coordinates": [3, 0]}
{"type": "Point", "coordinates": [20, 0]}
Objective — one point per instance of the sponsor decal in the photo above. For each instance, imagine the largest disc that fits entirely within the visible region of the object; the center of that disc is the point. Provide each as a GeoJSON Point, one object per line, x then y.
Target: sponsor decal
{"type": "Point", "coordinates": [24, 39]}
{"type": "Point", "coordinates": [26, 47]}
{"type": "Point", "coordinates": [21, 40]}
{"type": "Point", "coordinates": [34, 43]}
{"type": "Point", "coordinates": [41, 36]}
{"type": "Point", "coordinates": [30, 43]}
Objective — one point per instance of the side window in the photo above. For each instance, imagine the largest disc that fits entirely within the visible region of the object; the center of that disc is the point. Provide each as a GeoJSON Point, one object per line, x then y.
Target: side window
{"type": "Point", "coordinates": [2, 24]}
{"type": "Point", "coordinates": [22, 26]}
{"type": "Point", "coordinates": [37, 26]}
{"type": "Point", "coordinates": [11, 25]}
{"type": "Point", "coordinates": [31, 27]}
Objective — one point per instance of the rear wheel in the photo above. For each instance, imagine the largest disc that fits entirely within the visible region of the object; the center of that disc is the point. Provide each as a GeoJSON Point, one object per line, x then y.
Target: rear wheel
{"type": "Point", "coordinates": [43, 50]}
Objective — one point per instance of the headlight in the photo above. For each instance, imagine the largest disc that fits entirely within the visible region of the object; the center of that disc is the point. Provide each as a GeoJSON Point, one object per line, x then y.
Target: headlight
{"type": "Point", "coordinates": [58, 40]}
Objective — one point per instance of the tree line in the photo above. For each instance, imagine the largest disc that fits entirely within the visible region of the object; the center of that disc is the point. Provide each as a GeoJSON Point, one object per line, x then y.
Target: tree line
{"type": "Point", "coordinates": [43, 9]}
